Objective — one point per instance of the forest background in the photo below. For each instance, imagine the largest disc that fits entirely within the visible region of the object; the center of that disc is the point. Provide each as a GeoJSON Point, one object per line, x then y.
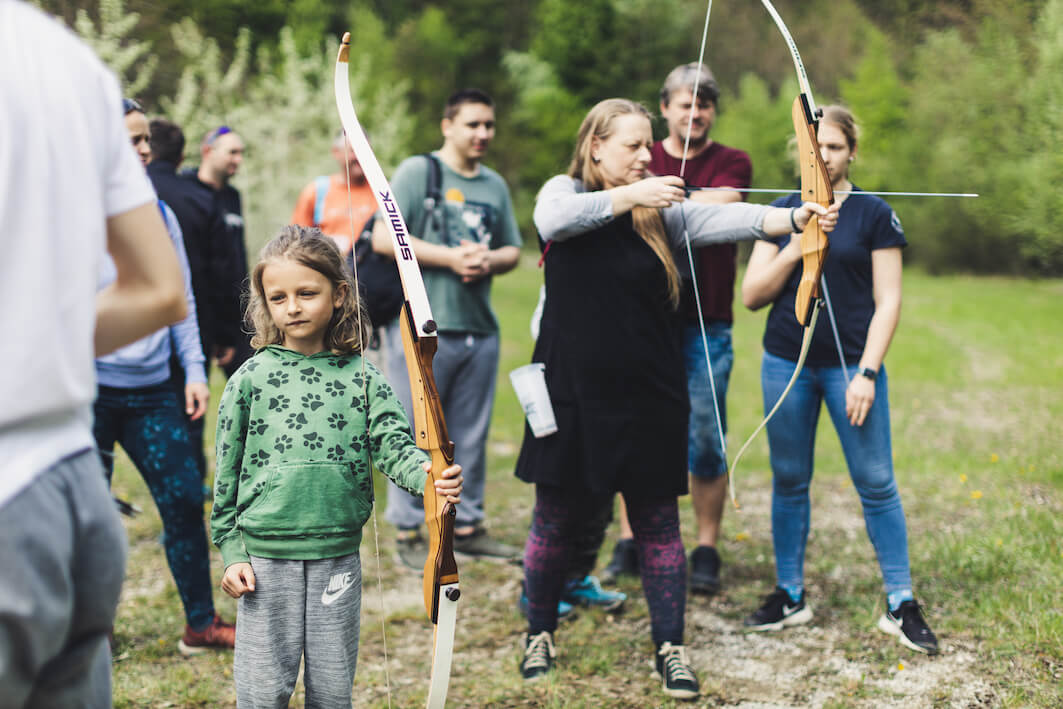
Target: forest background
{"type": "Point", "coordinates": [953, 95]}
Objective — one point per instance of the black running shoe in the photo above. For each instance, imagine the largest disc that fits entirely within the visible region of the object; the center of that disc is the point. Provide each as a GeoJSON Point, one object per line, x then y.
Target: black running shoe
{"type": "Point", "coordinates": [705, 570]}
{"type": "Point", "coordinates": [909, 627]}
{"type": "Point", "coordinates": [779, 612]}
{"type": "Point", "coordinates": [625, 561]}
{"type": "Point", "coordinates": [677, 676]}
{"type": "Point", "coordinates": [539, 654]}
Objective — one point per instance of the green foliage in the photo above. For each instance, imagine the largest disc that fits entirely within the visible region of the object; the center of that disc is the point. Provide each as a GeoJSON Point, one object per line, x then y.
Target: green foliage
{"type": "Point", "coordinates": [127, 57]}
{"type": "Point", "coordinates": [953, 95]}
{"type": "Point", "coordinates": [1039, 135]}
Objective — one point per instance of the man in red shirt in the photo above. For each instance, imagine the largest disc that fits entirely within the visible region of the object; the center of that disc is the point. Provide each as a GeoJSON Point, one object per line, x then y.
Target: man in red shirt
{"type": "Point", "coordinates": [708, 164]}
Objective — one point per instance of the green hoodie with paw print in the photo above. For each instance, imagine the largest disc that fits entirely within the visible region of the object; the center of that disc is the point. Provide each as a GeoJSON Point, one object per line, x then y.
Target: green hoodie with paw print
{"type": "Point", "coordinates": [294, 444]}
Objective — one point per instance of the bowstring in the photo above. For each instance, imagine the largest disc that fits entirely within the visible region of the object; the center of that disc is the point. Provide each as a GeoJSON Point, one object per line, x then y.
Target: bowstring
{"type": "Point", "coordinates": [686, 237]}
{"type": "Point", "coordinates": [363, 344]}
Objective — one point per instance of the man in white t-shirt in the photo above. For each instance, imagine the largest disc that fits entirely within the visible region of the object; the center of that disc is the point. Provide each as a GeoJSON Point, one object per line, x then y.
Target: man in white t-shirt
{"type": "Point", "coordinates": [70, 186]}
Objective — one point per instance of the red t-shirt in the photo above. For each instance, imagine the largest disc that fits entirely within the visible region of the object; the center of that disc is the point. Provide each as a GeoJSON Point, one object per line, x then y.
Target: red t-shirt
{"type": "Point", "coordinates": [716, 166]}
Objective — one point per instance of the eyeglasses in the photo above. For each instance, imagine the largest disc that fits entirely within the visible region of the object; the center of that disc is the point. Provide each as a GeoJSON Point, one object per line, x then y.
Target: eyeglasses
{"type": "Point", "coordinates": [129, 105]}
{"type": "Point", "coordinates": [216, 133]}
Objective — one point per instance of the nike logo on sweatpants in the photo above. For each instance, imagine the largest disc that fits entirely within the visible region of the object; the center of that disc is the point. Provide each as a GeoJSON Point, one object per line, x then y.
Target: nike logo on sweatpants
{"type": "Point", "coordinates": [337, 585]}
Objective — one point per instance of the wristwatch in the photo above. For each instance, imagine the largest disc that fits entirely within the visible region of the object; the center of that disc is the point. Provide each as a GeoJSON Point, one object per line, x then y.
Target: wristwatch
{"type": "Point", "coordinates": [869, 373]}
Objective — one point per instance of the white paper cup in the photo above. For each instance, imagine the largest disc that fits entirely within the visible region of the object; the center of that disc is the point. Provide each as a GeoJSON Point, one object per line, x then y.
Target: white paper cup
{"type": "Point", "coordinates": [529, 382]}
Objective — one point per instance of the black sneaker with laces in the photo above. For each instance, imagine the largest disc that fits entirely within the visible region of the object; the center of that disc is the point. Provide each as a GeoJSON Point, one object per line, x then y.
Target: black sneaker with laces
{"type": "Point", "coordinates": [705, 570]}
{"type": "Point", "coordinates": [677, 676]}
{"type": "Point", "coordinates": [779, 611]}
{"type": "Point", "coordinates": [625, 561]}
{"type": "Point", "coordinates": [909, 627]}
{"type": "Point", "coordinates": [539, 654]}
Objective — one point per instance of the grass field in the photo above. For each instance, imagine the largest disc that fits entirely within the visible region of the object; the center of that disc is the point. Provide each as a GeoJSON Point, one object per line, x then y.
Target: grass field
{"type": "Point", "coordinates": [976, 373]}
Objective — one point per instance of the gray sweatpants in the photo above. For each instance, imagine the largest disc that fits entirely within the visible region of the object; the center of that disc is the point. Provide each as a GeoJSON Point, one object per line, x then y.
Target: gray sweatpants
{"type": "Point", "coordinates": [299, 609]}
{"type": "Point", "coordinates": [465, 367]}
{"type": "Point", "coordinates": [62, 561]}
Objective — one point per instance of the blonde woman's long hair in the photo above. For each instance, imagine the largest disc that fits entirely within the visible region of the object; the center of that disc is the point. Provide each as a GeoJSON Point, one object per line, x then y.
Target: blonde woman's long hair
{"type": "Point", "coordinates": [601, 123]}
{"type": "Point", "coordinates": [348, 329]}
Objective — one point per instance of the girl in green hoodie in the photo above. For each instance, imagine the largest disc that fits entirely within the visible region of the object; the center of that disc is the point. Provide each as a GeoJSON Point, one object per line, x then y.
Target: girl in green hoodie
{"type": "Point", "coordinates": [300, 426]}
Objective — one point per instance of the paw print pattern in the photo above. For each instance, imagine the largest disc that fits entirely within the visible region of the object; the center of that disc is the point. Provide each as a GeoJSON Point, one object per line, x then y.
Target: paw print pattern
{"type": "Point", "coordinates": [225, 448]}
{"type": "Point", "coordinates": [359, 443]}
{"type": "Point", "coordinates": [259, 458]}
{"type": "Point", "coordinates": [335, 453]}
{"type": "Point", "coordinates": [339, 362]}
{"type": "Point", "coordinates": [296, 420]}
{"type": "Point", "coordinates": [312, 401]}
{"type": "Point", "coordinates": [277, 379]}
{"type": "Point", "coordinates": [310, 375]}
{"type": "Point", "coordinates": [278, 402]}
{"type": "Point", "coordinates": [283, 443]}
{"type": "Point", "coordinates": [312, 441]}
{"type": "Point", "coordinates": [337, 421]}
{"type": "Point", "coordinates": [335, 388]}
{"type": "Point", "coordinates": [251, 365]}
{"type": "Point", "coordinates": [256, 393]}
{"type": "Point", "coordinates": [357, 404]}
{"type": "Point", "coordinates": [257, 427]}
{"type": "Point", "coordinates": [221, 489]}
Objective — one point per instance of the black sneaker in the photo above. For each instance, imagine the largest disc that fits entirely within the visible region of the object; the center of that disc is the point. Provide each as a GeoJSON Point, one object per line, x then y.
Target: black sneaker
{"type": "Point", "coordinates": [411, 548]}
{"type": "Point", "coordinates": [779, 611]}
{"type": "Point", "coordinates": [705, 570]}
{"type": "Point", "coordinates": [677, 676]}
{"type": "Point", "coordinates": [909, 627]}
{"type": "Point", "coordinates": [625, 561]}
{"type": "Point", "coordinates": [539, 654]}
{"type": "Point", "coordinates": [479, 544]}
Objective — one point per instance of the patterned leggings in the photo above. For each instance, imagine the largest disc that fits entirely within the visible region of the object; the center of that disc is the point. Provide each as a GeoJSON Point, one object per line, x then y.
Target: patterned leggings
{"type": "Point", "coordinates": [559, 518]}
{"type": "Point", "coordinates": [152, 429]}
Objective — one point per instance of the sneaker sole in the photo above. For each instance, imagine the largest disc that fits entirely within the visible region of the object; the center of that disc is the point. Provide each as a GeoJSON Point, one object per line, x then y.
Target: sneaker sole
{"type": "Point", "coordinates": [614, 607]}
{"type": "Point", "coordinates": [705, 587]}
{"type": "Point", "coordinates": [193, 650]}
{"type": "Point", "coordinates": [799, 618]}
{"type": "Point", "coordinates": [675, 693]}
{"type": "Point", "coordinates": [890, 628]}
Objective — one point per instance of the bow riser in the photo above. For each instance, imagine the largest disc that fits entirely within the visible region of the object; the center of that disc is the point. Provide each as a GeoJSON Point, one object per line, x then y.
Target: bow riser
{"type": "Point", "coordinates": [430, 433]}
{"type": "Point", "coordinates": [815, 187]}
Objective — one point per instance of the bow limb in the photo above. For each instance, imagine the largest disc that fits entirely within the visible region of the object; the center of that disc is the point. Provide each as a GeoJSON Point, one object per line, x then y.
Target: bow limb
{"type": "Point", "coordinates": [815, 187]}
{"type": "Point", "coordinates": [419, 339]}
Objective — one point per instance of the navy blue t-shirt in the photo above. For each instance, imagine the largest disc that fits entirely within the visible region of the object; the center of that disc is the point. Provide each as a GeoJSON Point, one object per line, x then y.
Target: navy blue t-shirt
{"type": "Point", "coordinates": [865, 223]}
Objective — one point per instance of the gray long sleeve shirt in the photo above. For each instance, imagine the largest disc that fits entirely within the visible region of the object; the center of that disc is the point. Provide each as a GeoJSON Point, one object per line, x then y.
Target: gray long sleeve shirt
{"type": "Point", "coordinates": [564, 209]}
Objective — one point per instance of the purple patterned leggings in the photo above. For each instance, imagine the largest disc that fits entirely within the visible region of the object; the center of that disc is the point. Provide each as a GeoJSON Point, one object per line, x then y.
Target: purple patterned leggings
{"type": "Point", "coordinates": [557, 522]}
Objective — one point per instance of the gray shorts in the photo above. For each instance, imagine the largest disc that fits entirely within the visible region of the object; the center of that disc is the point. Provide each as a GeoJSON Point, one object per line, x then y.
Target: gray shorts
{"type": "Point", "coordinates": [63, 560]}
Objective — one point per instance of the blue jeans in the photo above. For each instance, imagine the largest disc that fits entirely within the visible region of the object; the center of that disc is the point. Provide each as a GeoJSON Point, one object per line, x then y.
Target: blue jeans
{"type": "Point", "coordinates": [705, 454]}
{"type": "Point", "coordinates": [868, 453]}
{"type": "Point", "coordinates": [152, 428]}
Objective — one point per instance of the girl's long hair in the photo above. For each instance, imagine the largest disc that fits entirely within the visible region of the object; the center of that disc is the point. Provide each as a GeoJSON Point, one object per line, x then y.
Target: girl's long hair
{"type": "Point", "coordinates": [348, 330]}
{"type": "Point", "coordinates": [601, 123]}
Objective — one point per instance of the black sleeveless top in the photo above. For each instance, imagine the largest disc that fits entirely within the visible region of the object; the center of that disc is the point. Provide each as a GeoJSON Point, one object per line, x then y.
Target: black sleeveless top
{"type": "Point", "coordinates": [610, 342]}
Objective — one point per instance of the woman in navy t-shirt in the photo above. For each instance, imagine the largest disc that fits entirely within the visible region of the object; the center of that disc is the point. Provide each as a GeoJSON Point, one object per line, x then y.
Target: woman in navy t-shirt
{"type": "Point", "coordinates": [863, 276]}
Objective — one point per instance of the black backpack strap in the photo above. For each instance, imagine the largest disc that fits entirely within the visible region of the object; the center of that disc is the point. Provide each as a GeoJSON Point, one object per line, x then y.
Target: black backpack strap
{"type": "Point", "coordinates": [433, 196]}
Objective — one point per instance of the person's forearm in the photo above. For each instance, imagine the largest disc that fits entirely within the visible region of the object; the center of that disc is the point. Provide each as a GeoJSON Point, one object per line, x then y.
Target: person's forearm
{"type": "Point", "coordinates": [766, 274]}
{"type": "Point", "coordinates": [503, 259]}
{"type": "Point", "coordinates": [880, 334]}
{"type": "Point", "coordinates": [148, 292]}
{"type": "Point", "coordinates": [428, 254]}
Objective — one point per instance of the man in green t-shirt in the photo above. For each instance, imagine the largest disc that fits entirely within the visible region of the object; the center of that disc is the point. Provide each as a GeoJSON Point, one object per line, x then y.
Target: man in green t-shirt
{"type": "Point", "coordinates": [461, 242]}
